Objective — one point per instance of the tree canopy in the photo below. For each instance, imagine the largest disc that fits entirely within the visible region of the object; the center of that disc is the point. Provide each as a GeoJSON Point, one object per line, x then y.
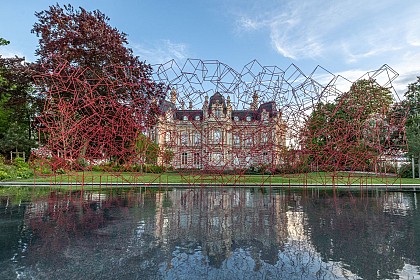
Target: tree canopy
{"type": "Point", "coordinates": [99, 95]}
{"type": "Point", "coordinates": [412, 107]}
{"type": "Point", "coordinates": [350, 131]}
{"type": "Point", "coordinates": [18, 104]}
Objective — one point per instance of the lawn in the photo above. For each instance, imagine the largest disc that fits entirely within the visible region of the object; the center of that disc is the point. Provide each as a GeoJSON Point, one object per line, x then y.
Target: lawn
{"type": "Point", "coordinates": [315, 178]}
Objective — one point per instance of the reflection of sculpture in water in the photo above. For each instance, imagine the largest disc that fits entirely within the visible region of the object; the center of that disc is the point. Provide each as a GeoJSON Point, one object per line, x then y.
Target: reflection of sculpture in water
{"type": "Point", "coordinates": [214, 233]}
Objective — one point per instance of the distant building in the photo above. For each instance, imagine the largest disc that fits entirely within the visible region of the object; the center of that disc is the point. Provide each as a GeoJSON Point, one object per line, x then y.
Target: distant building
{"type": "Point", "coordinates": [218, 137]}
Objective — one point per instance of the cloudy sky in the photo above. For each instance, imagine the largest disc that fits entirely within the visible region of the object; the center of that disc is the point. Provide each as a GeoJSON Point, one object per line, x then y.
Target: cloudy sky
{"type": "Point", "coordinates": [347, 37]}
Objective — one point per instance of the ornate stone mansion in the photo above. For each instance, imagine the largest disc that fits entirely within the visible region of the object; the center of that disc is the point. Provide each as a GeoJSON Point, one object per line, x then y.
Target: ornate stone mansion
{"type": "Point", "coordinates": [218, 137]}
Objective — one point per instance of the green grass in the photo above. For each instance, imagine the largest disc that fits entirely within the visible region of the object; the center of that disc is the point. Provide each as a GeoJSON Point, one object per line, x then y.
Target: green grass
{"type": "Point", "coordinates": [316, 178]}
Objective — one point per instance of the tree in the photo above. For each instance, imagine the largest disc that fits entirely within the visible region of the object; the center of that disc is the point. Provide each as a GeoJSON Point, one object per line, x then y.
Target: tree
{"type": "Point", "coordinates": [346, 133]}
{"type": "Point", "coordinates": [18, 104]}
{"type": "Point", "coordinates": [100, 96]}
{"type": "Point", "coordinates": [411, 104]}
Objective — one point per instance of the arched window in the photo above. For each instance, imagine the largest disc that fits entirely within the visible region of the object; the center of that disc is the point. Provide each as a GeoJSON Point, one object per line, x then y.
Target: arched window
{"type": "Point", "coordinates": [248, 118]}
{"type": "Point", "coordinates": [185, 118]}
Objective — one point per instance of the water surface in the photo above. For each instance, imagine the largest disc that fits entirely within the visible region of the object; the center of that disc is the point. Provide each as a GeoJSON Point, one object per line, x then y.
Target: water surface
{"type": "Point", "coordinates": [210, 233]}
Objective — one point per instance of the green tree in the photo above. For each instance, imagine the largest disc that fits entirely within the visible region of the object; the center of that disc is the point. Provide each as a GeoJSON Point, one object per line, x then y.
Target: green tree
{"type": "Point", "coordinates": [18, 104]}
{"type": "Point", "coordinates": [412, 107]}
{"type": "Point", "coordinates": [340, 134]}
{"type": "Point", "coordinates": [147, 150]}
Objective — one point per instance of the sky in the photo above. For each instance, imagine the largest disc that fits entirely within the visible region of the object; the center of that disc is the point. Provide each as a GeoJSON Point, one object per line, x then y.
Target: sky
{"type": "Point", "coordinates": [346, 37]}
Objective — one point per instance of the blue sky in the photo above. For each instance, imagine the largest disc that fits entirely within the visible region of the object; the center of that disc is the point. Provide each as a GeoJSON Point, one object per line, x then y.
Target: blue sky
{"type": "Point", "coordinates": [347, 37]}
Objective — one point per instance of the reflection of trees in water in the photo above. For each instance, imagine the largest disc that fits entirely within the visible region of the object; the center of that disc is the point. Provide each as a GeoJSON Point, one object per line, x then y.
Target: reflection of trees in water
{"type": "Point", "coordinates": [374, 235]}
{"type": "Point", "coordinates": [219, 233]}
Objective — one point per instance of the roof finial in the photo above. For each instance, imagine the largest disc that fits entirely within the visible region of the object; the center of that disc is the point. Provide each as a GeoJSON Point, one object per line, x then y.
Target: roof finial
{"type": "Point", "coordinates": [254, 105]}
{"type": "Point", "coordinates": [173, 96]}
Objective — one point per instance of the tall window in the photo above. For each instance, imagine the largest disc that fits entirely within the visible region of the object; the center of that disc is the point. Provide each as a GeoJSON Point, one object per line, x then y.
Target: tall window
{"type": "Point", "coordinates": [184, 158]}
{"type": "Point", "coordinates": [197, 138]}
{"type": "Point", "coordinates": [167, 137]}
{"type": "Point", "coordinates": [196, 158]}
{"type": "Point", "coordinates": [264, 137]}
{"type": "Point", "coordinates": [248, 140]}
{"type": "Point", "coordinates": [236, 140]}
{"type": "Point", "coordinates": [217, 112]}
{"type": "Point", "coordinates": [184, 138]}
{"type": "Point", "coordinates": [217, 136]}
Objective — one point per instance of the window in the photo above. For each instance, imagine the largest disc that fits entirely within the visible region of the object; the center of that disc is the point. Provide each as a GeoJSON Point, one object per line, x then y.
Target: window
{"type": "Point", "coordinates": [217, 113]}
{"type": "Point", "coordinates": [248, 140]}
{"type": "Point", "coordinates": [248, 118]}
{"type": "Point", "coordinates": [265, 157]}
{"type": "Point", "coordinates": [152, 135]}
{"type": "Point", "coordinates": [265, 117]}
{"type": "Point", "coordinates": [248, 161]}
{"type": "Point", "coordinates": [217, 136]}
{"type": "Point", "coordinates": [197, 138]}
{"type": "Point", "coordinates": [184, 158]}
{"type": "Point", "coordinates": [236, 118]}
{"type": "Point", "coordinates": [184, 138]}
{"type": "Point", "coordinates": [216, 158]}
{"type": "Point", "coordinates": [185, 118]}
{"type": "Point", "coordinates": [197, 118]}
{"type": "Point", "coordinates": [264, 138]}
{"type": "Point", "coordinates": [236, 161]}
{"type": "Point", "coordinates": [197, 158]}
{"type": "Point", "coordinates": [167, 137]}
{"type": "Point", "coordinates": [236, 140]}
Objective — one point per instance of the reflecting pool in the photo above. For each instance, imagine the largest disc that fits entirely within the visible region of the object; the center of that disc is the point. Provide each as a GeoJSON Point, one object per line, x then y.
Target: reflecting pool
{"type": "Point", "coordinates": [210, 233]}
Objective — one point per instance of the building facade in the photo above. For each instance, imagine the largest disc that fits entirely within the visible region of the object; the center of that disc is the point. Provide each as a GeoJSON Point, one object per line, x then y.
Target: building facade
{"type": "Point", "coordinates": [216, 137]}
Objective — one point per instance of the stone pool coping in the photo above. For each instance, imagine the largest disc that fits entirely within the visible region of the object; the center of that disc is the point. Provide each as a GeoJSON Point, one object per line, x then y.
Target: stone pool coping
{"type": "Point", "coordinates": [402, 187]}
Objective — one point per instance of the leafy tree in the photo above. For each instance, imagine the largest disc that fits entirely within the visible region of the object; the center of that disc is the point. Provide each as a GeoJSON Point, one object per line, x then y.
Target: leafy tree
{"type": "Point", "coordinates": [412, 107]}
{"type": "Point", "coordinates": [147, 150]}
{"type": "Point", "coordinates": [79, 41]}
{"type": "Point", "coordinates": [18, 104]}
{"type": "Point", "coordinates": [342, 134]}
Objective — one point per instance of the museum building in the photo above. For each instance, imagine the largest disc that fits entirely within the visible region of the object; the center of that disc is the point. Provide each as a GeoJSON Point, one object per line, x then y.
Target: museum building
{"type": "Point", "coordinates": [218, 137]}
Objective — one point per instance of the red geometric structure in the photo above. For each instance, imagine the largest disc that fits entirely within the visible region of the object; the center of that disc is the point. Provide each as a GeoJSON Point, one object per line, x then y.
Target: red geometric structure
{"type": "Point", "coordinates": [215, 120]}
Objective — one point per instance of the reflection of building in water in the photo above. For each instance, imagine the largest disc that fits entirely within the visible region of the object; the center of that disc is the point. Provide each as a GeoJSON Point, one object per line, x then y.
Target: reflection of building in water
{"type": "Point", "coordinates": [223, 220]}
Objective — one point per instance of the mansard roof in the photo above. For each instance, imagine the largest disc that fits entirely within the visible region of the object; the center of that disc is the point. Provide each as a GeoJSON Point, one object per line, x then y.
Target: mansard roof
{"type": "Point", "coordinates": [191, 114]}
{"type": "Point", "coordinates": [269, 107]}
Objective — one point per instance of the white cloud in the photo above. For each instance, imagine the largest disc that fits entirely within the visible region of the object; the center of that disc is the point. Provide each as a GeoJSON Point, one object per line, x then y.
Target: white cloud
{"type": "Point", "coordinates": [317, 29]}
{"type": "Point", "coordinates": [160, 52]}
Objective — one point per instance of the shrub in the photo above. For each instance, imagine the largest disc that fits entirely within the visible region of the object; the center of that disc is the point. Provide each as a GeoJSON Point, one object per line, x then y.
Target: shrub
{"type": "Point", "coordinates": [406, 171]}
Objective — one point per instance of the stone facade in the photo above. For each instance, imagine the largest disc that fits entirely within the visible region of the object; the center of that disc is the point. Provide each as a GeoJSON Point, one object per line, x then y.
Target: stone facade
{"type": "Point", "coordinates": [218, 137]}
